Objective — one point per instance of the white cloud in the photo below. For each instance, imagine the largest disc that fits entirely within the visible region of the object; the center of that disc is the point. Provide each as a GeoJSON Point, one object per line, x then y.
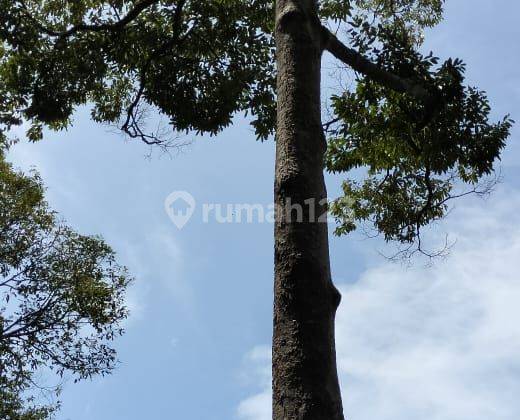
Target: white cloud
{"type": "Point", "coordinates": [257, 407]}
{"type": "Point", "coordinates": [437, 343]}
{"type": "Point", "coordinates": [258, 369]}
{"type": "Point", "coordinates": [156, 262]}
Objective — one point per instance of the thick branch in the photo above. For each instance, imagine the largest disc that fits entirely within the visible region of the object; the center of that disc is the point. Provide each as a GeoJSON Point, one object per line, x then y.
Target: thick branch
{"type": "Point", "coordinates": [362, 65]}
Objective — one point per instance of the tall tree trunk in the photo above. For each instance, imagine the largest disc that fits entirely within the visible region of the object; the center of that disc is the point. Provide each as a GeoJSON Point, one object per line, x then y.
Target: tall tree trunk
{"type": "Point", "coordinates": [305, 381]}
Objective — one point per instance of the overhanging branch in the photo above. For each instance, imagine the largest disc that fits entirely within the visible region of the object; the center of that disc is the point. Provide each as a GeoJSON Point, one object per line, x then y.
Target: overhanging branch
{"type": "Point", "coordinates": [364, 66]}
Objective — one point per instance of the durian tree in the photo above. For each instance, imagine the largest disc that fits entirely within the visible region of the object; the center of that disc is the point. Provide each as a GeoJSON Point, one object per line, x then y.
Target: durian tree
{"type": "Point", "coordinates": [420, 134]}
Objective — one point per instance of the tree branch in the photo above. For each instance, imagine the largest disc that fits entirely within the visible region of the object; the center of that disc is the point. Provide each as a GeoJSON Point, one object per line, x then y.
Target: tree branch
{"type": "Point", "coordinates": [131, 125]}
{"type": "Point", "coordinates": [362, 65]}
{"type": "Point", "coordinates": [120, 24]}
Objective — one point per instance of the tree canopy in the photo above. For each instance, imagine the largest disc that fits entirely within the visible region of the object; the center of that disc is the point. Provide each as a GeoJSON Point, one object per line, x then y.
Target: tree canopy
{"type": "Point", "coordinates": [409, 120]}
{"type": "Point", "coordinates": [61, 296]}
{"type": "Point", "coordinates": [197, 62]}
{"type": "Point", "coordinates": [13, 406]}
{"type": "Point", "coordinates": [419, 153]}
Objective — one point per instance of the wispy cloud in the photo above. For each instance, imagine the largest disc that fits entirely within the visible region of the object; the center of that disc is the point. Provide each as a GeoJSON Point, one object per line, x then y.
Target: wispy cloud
{"type": "Point", "coordinates": [437, 343]}
{"type": "Point", "coordinates": [258, 369]}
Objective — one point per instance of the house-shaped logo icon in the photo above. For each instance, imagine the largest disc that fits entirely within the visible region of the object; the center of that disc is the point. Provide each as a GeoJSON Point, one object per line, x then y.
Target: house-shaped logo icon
{"type": "Point", "coordinates": [180, 206]}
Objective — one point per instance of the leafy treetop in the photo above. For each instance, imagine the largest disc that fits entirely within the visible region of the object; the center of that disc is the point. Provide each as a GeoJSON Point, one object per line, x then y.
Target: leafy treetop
{"type": "Point", "coordinates": [420, 148]}
{"type": "Point", "coordinates": [409, 121]}
{"type": "Point", "coordinates": [61, 294]}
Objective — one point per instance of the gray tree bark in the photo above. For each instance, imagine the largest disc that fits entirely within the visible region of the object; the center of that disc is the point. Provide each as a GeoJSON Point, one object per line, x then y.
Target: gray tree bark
{"type": "Point", "coordinates": [305, 381]}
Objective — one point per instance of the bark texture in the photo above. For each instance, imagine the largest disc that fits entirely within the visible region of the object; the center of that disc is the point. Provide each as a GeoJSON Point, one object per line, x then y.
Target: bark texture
{"type": "Point", "coordinates": [305, 381]}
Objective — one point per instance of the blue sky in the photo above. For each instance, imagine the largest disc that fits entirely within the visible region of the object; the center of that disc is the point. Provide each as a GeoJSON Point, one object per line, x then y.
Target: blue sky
{"type": "Point", "coordinates": [413, 342]}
